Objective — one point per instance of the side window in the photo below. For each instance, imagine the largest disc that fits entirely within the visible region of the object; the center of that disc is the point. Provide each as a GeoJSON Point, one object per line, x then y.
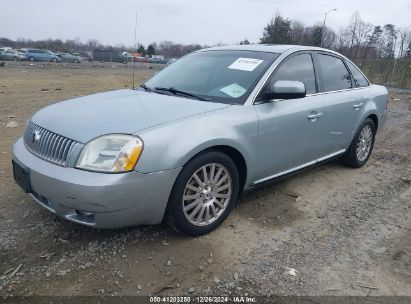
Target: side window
{"type": "Point", "coordinates": [358, 78]}
{"type": "Point", "coordinates": [298, 68]}
{"type": "Point", "coordinates": [335, 74]}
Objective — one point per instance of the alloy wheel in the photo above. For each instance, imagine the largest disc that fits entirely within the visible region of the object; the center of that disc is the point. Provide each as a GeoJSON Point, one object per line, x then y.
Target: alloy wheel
{"type": "Point", "coordinates": [207, 194]}
{"type": "Point", "coordinates": [364, 143]}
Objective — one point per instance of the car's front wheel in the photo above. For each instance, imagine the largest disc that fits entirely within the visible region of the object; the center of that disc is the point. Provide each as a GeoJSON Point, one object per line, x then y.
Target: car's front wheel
{"type": "Point", "coordinates": [361, 147]}
{"type": "Point", "coordinates": [204, 194]}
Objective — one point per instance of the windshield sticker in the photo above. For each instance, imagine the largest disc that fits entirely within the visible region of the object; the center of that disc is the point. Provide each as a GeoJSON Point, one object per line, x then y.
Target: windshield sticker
{"type": "Point", "coordinates": [233, 90]}
{"type": "Point", "coordinates": [245, 64]}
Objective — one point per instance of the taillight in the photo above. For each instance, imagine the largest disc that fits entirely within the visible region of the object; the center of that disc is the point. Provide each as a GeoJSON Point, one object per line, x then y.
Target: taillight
{"type": "Point", "coordinates": [386, 105]}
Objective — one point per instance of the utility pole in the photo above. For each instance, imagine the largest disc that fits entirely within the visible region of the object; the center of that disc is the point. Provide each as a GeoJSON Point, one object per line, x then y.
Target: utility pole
{"type": "Point", "coordinates": [135, 50]}
{"type": "Point", "coordinates": [323, 29]}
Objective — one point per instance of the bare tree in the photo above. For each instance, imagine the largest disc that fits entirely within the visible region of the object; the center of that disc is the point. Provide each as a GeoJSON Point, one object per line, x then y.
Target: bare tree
{"type": "Point", "coordinates": [93, 44]}
{"type": "Point", "coordinates": [404, 41]}
{"type": "Point", "coordinates": [329, 38]}
{"type": "Point", "coordinates": [297, 32]}
{"type": "Point", "coordinates": [354, 38]}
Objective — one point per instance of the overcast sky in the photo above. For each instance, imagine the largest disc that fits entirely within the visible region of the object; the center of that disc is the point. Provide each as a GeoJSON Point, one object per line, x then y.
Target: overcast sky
{"type": "Point", "coordinates": [185, 21]}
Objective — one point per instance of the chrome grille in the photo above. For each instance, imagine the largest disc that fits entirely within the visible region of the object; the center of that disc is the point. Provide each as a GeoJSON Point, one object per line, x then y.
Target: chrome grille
{"type": "Point", "coordinates": [48, 145]}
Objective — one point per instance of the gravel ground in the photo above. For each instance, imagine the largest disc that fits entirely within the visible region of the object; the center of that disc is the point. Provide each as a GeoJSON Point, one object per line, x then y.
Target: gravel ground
{"type": "Point", "coordinates": [328, 231]}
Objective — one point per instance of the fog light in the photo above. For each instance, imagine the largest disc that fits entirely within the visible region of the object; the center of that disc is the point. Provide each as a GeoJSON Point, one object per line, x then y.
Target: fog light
{"type": "Point", "coordinates": [84, 214]}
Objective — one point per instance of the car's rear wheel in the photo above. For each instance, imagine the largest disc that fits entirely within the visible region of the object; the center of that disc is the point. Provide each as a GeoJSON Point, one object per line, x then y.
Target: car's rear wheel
{"type": "Point", "coordinates": [32, 59]}
{"type": "Point", "coordinates": [204, 194]}
{"type": "Point", "coordinates": [54, 59]}
{"type": "Point", "coordinates": [361, 147]}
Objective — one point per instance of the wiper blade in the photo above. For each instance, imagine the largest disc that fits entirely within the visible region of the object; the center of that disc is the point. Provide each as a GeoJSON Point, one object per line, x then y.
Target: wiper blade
{"type": "Point", "coordinates": [175, 92]}
{"type": "Point", "coordinates": [146, 88]}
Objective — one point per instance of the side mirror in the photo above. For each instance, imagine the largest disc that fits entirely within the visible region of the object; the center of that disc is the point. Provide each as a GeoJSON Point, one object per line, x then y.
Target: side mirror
{"type": "Point", "coordinates": [286, 89]}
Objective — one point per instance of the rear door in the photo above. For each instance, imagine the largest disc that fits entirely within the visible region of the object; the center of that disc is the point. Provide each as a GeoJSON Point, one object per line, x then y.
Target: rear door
{"type": "Point", "coordinates": [44, 55]}
{"type": "Point", "coordinates": [343, 100]}
{"type": "Point", "coordinates": [290, 131]}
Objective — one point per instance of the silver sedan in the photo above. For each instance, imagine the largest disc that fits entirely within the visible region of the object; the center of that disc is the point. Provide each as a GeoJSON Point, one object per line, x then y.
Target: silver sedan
{"type": "Point", "coordinates": [187, 142]}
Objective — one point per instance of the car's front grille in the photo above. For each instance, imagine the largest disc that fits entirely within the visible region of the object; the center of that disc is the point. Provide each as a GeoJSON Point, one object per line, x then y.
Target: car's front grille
{"type": "Point", "coordinates": [47, 145]}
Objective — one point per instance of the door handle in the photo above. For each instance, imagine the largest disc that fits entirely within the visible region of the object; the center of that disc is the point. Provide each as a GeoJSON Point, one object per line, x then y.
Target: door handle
{"type": "Point", "coordinates": [357, 106]}
{"type": "Point", "coordinates": [314, 116]}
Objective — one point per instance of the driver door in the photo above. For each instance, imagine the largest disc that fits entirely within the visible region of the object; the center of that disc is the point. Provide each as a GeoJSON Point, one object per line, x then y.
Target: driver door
{"type": "Point", "coordinates": [291, 131]}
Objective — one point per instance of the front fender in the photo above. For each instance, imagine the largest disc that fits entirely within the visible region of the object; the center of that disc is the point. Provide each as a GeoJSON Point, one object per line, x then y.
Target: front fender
{"type": "Point", "coordinates": [173, 145]}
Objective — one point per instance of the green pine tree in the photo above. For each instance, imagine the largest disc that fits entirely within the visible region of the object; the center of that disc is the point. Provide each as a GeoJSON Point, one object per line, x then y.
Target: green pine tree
{"type": "Point", "coordinates": [277, 31]}
{"type": "Point", "coordinates": [141, 49]}
{"type": "Point", "coordinates": [151, 50]}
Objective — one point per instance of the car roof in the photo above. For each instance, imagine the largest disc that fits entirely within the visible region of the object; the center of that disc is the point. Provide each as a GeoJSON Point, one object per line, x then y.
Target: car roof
{"type": "Point", "coordinates": [270, 48]}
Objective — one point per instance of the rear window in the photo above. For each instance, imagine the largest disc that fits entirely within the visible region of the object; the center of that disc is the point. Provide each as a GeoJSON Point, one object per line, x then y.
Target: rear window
{"type": "Point", "coordinates": [335, 74]}
{"type": "Point", "coordinates": [358, 78]}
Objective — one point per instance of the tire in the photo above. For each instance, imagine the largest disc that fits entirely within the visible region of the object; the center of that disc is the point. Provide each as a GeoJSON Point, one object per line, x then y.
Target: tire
{"type": "Point", "coordinates": [54, 59]}
{"type": "Point", "coordinates": [32, 59]}
{"type": "Point", "coordinates": [209, 207]}
{"type": "Point", "coordinates": [362, 145]}
{"type": "Point", "coordinates": [15, 58]}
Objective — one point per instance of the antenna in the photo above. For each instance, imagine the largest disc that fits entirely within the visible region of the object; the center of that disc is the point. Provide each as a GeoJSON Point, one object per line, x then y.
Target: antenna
{"type": "Point", "coordinates": [135, 51]}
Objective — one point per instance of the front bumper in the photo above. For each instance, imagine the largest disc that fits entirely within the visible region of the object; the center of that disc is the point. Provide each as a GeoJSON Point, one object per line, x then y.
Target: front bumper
{"type": "Point", "coordinates": [99, 200]}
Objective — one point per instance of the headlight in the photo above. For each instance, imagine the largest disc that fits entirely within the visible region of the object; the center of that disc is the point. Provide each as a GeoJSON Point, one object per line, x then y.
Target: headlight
{"type": "Point", "coordinates": [111, 153]}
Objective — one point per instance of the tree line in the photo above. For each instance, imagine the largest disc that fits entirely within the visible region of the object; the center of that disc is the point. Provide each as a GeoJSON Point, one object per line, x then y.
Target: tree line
{"type": "Point", "coordinates": [168, 49]}
{"type": "Point", "coordinates": [358, 40]}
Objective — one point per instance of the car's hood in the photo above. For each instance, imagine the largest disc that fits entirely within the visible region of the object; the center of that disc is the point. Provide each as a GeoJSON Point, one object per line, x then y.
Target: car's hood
{"type": "Point", "coordinates": [122, 111]}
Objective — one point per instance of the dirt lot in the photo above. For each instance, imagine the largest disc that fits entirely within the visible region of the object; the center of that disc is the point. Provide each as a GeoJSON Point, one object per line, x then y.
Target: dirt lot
{"type": "Point", "coordinates": [328, 231]}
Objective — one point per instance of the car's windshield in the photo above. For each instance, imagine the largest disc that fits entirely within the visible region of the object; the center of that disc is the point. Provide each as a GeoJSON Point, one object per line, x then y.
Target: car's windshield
{"type": "Point", "coordinates": [217, 76]}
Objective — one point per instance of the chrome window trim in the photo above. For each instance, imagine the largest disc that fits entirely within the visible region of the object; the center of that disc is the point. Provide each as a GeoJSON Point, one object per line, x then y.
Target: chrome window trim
{"type": "Point", "coordinates": [318, 160]}
{"type": "Point", "coordinates": [366, 78]}
{"type": "Point", "coordinates": [259, 86]}
{"type": "Point", "coordinates": [270, 70]}
{"type": "Point", "coordinates": [336, 91]}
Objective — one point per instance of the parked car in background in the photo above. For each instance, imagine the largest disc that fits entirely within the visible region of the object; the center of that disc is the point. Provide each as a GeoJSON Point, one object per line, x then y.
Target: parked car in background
{"type": "Point", "coordinates": [109, 56]}
{"type": "Point", "coordinates": [247, 114]}
{"type": "Point", "coordinates": [85, 55]}
{"type": "Point", "coordinates": [171, 60]}
{"type": "Point", "coordinates": [41, 55]}
{"type": "Point", "coordinates": [22, 54]}
{"type": "Point", "coordinates": [142, 59]}
{"type": "Point", "coordinates": [66, 57]}
{"type": "Point", "coordinates": [128, 56]}
{"type": "Point", "coordinates": [158, 60]}
{"type": "Point", "coordinates": [5, 48]}
{"type": "Point", "coordinates": [9, 54]}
